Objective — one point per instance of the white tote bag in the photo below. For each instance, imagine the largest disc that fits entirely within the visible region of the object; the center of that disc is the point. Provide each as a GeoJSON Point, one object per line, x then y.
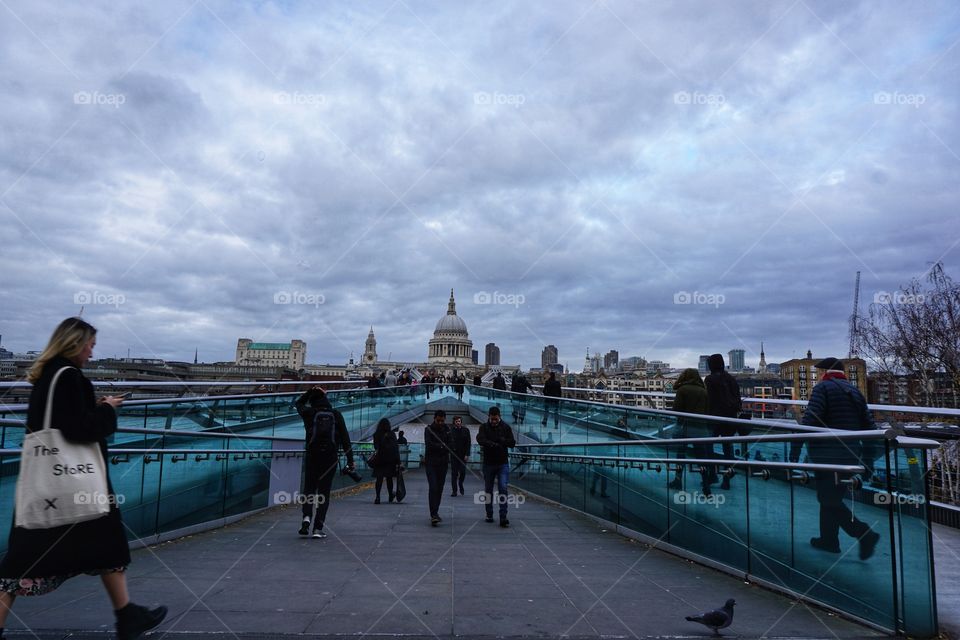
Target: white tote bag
{"type": "Point", "coordinates": [60, 482]}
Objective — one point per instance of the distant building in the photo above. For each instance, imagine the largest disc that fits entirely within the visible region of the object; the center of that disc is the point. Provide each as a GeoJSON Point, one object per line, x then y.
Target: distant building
{"type": "Point", "coordinates": [451, 347]}
{"type": "Point", "coordinates": [633, 363]}
{"type": "Point", "coordinates": [475, 356]}
{"type": "Point", "coordinates": [491, 355]}
{"type": "Point", "coordinates": [800, 376]}
{"type": "Point", "coordinates": [290, 355]}
{"type": "Point", "coordinates": [370, 350]}
{"type": "Point", "coordinates": [703, 367]}
{"type": "Point", "coordinates": [655, 366]}
{"type": "Point", "coordinates": [549, 356]}
{"type": "Point", "coordinates": [774, 368]}
{"type": "Point", "coordinates": [736, 359]}
{"type": "Point", "coordinates": [611, 360]}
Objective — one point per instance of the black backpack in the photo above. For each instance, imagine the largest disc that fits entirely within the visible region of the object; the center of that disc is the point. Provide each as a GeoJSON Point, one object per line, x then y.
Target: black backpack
{"type": "Point", "coordinates": [323, 433]}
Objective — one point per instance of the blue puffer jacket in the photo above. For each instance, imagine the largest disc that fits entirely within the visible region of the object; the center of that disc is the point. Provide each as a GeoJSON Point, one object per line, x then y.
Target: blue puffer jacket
{"type": "Point", "coordinates": [837, 404]}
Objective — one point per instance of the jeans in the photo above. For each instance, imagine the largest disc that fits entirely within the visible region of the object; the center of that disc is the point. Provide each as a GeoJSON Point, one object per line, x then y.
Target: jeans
{"type": "Point", "coordinates": [834, 514]}
{"type": "Point", "coordinates": [458, 471]}
{"type": "Point", "coordinates": [436, 475]}
{"type": "Point", "coordinates": [551, 406]}
{"type": "Point", "coordinates": [318, 476]}
{"type": "Point", "coordinates": [500, 472]}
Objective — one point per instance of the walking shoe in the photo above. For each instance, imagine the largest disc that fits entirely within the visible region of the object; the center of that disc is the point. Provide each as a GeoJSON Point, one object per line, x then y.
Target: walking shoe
{"type": "Point", "coordinates": [725, 484]}
{"type": "Point", "coordinates": [133, 620]}
{"type": "Point", "coordinates": [461, 490]}
{"type": "Point", "coordinates": [305, 526]}
{"type": "Point", "coordinates": [391, 498]}
{"type": "Point", "coordinates": [868, 542]}
{"type": "Point", "coordinates": [504, 523]}
{"type": "Point", "coordinates": [434, 521]}
{"type": "Point", "coordinates": [676, 483]}
{"type": "Point", "coordinates": [488, 519]}
{"type": "Point", "coordinates": [439, 519]}
{"type": "Point", "coordinates": [834, 547]}
{"type": "Point", "coordinates": [453, 495]}
{"type": "Point", "coordinates": [376, 500]}
{"type": "Point", "coordinates": [318, 533]}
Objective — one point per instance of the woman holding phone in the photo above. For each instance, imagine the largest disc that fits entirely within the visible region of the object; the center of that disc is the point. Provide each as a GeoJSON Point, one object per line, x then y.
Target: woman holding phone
{"type": "Point", "coordinates": [40, 560]}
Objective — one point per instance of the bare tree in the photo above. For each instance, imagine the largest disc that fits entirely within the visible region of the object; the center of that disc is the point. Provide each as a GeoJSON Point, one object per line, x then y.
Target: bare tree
{"type": "Point", "coordinates": [916, 331]}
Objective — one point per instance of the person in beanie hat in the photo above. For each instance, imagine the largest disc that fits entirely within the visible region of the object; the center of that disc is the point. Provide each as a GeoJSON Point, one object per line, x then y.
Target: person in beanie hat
{"type": "Point", "coordinates": [837, 404]}
{"type": "Point", "coordinates": [723, 400]}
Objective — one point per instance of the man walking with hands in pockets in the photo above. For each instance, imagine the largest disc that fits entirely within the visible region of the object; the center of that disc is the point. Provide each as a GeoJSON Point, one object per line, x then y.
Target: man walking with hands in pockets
{"type": "Point", "coordinates": [496, 439]}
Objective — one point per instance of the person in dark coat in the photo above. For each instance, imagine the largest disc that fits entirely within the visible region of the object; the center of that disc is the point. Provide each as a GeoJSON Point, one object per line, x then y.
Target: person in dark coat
{"type": "Point", "coordinates": [458, 384]}
{"type": "Point", "coordinates": [40, 560]}
{"type": "Point", "coordinates": [495, 438]}
{"type": "Point", "coordinates": [691, 397]}
{"type": "Point", "coordinates": [520, 386]}
{"type": "Point", "coordinates": [478, 380]}
{"type": "Point", "coordinates": [436, 458]}
{"type": "Point", "coordinates": [837, 404]}
{"type": "Point", "coordinates": [320, 461]}
{"type": "Point", "coordinates": [499, 383]}
{"type": "Point", "coordinates": [387, 460]}
{"type": "Point", "coordinates": [459, 452]}
{"type": "Point", "coordinates": [553, 392]}
{"type": "Point", "coordinates": [723, 398]}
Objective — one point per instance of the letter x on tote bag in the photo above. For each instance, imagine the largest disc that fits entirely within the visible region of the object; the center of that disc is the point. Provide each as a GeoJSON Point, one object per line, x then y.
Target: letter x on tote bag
{"type": "Point", "coordinates": [60, 482]}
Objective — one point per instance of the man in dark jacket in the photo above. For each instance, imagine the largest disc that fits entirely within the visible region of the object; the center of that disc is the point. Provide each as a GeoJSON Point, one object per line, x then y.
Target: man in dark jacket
{"type": "Point", "coordinates": [496, 439]}
{"type": "Point", "coordinates": [723, 398]}
{"type": "Point", "coordinates": [837, 404]}
{"type": "Point", "coordinates": [436, 445]}
{"type": "Point", "coordinates": [460, 450]}
{"type": "Point", "coordinates": [553, 392]}
{"type": "Point", "coordinates": [499, 383]}
{"type": "Point", "coordinates": [478, 380]}
{"type": "Point", "coordinates": [519, 385]}
{"type": "Point", "coordinates": [320, 459]}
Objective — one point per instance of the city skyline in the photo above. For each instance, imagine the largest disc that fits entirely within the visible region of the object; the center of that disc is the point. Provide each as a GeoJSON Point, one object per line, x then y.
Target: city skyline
{"type": "Point", "coordinates": [665, 180]}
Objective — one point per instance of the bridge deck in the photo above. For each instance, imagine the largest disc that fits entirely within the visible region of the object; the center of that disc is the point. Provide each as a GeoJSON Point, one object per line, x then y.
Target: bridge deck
{"type": "Point", "coordinates": [385, 571]}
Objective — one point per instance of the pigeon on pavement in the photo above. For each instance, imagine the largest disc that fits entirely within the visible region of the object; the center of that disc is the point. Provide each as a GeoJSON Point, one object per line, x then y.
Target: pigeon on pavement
{"type": "Point", "coordinates": [716, 619]}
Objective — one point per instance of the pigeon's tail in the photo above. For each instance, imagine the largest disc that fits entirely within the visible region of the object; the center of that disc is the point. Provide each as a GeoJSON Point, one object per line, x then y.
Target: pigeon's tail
{"type": "Point", "coordinates": [695, 619]}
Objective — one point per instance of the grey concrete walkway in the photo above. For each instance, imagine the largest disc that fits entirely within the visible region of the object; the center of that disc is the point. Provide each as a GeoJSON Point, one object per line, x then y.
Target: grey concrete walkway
{"type": "Point", "coordinates": [946, 547]}
{"type": "Point", "coordinates": [385, 571]}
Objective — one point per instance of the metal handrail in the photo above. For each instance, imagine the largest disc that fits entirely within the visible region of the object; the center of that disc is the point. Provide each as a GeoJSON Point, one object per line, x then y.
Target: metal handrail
{"type": "Point", "coordinates": [199, 383]}
{"type": "Point", "coordinates": [797, 466]}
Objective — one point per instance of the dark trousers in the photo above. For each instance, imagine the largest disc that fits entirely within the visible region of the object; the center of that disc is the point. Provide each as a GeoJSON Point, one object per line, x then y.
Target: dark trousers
{"type": "Point", "coordinates": [500, 473]}
{"type": "Point", "coordinates": [389, 485]}
{"type": "Point", "coordinates": [436, 475]}
{"type": "Point", "coordinates": [318, 473]}
{"type": "Point", "coordinates": [834, 514]}
{"type": "Point", "coordinates": [458, 471]}
{"type": "Point", "coordinates": [551, 406]}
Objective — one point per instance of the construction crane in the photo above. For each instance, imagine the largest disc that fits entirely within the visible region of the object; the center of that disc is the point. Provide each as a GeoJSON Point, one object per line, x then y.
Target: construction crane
{"type": "Point", "coordinates": [854, 335]}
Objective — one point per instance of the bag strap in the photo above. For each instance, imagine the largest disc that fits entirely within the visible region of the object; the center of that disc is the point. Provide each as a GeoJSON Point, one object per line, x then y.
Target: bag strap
{"type": "Point", "coordinates": [48, 411]}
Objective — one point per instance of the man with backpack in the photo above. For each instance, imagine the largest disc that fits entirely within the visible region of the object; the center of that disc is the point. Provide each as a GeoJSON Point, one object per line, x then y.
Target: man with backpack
{"type": "Point", "coordinates": [723, 400]}
{"type": "Point", "coordinates": [325, 433]}
{"type": "Point", "coordinates": [460, 451]}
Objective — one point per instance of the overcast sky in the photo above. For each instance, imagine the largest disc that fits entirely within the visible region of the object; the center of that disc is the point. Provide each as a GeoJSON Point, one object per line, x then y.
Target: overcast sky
{"type": "Point", "coordinates": [662, 178]}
